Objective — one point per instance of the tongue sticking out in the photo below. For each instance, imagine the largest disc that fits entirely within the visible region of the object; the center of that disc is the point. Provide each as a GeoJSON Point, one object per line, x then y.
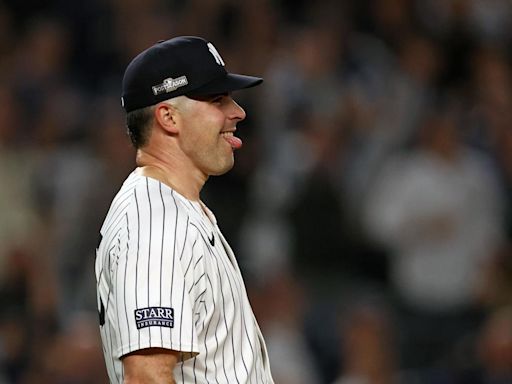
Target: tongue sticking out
{"type": "Point", "coordinates": [234, 141]}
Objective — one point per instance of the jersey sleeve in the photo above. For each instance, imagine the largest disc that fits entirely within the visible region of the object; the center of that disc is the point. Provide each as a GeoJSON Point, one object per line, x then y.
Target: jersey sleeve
{"type": "Point", "coordinates": [152, 304]}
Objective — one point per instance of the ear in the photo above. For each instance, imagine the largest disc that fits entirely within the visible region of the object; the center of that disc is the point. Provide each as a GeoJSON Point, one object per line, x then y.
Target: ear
{"type": "Point", "coordinates": [167, 117]}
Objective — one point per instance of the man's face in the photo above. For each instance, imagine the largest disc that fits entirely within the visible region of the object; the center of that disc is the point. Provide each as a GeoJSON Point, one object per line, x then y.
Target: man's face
{"type": "Point", "coordinates": [206, 136]}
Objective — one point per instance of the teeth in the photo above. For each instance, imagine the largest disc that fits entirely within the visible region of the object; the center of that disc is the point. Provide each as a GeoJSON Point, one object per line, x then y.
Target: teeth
{"type": "Point", "coordinates": [227, 134]}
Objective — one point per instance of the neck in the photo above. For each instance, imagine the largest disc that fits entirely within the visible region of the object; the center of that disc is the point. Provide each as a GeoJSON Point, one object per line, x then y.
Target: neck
{"type": "Point", "coordinates": [174, 171]}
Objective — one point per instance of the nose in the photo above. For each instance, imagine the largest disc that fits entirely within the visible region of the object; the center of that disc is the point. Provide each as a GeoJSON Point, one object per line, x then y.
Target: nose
{"type": "Point", "coordinates": [236, 111]}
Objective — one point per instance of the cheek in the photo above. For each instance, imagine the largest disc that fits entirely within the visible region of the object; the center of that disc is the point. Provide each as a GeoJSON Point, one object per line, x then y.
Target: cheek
{"type": "Point", "coordinates": [207, 131]}
{"type": "Point", "coordinates": [213, 122]}
{"type": "Point", "coordinates": [201, 137]}
{"type": "Point", "coordinates": [201, 133]}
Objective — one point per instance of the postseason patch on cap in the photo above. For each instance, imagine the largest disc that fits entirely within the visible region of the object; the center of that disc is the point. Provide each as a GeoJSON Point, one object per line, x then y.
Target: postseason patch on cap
{"type": "Point", "coordinates": [170, 85]}
{"type": "Point", "coordinates": [154, 317]}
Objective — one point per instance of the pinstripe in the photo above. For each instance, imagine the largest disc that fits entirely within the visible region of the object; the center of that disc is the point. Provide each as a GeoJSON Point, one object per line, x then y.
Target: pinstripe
{"type": "Point", "coordinates": [194, 370]}
{"type": "Point", "coordinates": [181, 318]}
{"type": "Point", "coordinates": [110, 343]}
{"type": "Point", "coordinates": [244, 326]}
{"type": "Point", "coordinates": [117, 298]}
{"type": "Point", "coordinates": [174, 248]}
{"type": "Point", "coordinates": [200, 295]}
{"type": "Point", "coordinates": [198, 260]}
{"type": "Point", "coordinates": [192, 326]}
{"type": "Point", "coordinates": [149, 248]}
{"type": "Point", "coordinates": [161, 251]}
{"type": "Point", "coordinates": [188, 266]}
{"type": "Point", "coordinates": [124, 283]}
{"type": "Point", "coordinates": [198, 280]}
{"type": "Point", "coordinates": [206, 345]}
{"type": "Point", "coordinates": [186, 233]}
{"type": "Point", "coordinates": [113, 238]}
{"type": "Point", "coordinates": [138, 249]}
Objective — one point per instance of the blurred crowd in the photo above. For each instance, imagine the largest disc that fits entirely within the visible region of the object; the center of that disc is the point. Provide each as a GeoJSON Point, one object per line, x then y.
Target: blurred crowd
{"type": "Point", "coordinates": [370, 208]}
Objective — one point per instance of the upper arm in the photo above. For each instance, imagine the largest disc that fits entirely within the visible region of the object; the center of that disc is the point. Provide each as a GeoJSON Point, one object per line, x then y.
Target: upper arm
{"type": "Point", "coordinates": [150, 366]}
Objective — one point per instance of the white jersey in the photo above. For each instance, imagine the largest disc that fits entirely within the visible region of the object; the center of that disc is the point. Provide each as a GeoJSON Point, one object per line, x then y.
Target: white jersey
{"type": "Point", "coordinates": [167, 278]}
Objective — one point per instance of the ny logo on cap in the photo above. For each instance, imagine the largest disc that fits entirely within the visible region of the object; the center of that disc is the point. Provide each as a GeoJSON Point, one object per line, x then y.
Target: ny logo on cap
{"type": "Point", "coordinates": [215, 54]}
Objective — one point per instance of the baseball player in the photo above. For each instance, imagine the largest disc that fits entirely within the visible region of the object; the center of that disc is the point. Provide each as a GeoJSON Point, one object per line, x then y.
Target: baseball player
{"type": "Point", "coordinates": [172, 302]}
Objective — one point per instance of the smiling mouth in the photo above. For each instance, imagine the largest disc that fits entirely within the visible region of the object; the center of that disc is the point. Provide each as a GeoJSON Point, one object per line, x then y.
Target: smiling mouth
{"type": "Point", "coordinates": [234, 141]}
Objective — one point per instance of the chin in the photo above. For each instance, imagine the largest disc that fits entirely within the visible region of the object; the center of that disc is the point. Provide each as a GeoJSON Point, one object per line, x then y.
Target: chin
{"type": "Point", "coordinates": [221, 170]}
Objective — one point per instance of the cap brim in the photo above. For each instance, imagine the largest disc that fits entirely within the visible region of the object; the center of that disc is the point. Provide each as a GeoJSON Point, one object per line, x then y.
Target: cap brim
{"type": "Point", "coordinates": [229, 83]}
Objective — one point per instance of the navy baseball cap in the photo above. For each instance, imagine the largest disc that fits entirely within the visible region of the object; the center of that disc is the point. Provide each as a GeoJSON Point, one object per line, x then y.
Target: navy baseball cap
{"type": "Point", "coordinates": [185, 65]}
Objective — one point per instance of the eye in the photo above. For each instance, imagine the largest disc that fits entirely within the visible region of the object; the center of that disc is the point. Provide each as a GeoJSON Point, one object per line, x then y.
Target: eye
{"type": "Point", "coordinates": [218, 98]}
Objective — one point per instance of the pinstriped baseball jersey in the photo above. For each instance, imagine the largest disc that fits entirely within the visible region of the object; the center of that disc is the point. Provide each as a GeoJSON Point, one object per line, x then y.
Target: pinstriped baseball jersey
{"type": "Point", "coordinates": [166, 277]}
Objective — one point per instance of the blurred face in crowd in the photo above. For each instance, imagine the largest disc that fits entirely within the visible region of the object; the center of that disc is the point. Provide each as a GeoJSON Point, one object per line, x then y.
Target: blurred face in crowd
{"type": "Point", "coordinates": [206, 133]}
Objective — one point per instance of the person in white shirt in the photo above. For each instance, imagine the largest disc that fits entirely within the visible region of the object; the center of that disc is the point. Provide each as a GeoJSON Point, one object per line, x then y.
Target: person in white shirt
{"type": "Point", "coordinates": [439, 210]}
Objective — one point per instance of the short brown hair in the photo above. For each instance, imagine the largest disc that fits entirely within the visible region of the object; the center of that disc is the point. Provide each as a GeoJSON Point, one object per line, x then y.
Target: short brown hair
{"type": "Point", "coordinates": [138, 124]}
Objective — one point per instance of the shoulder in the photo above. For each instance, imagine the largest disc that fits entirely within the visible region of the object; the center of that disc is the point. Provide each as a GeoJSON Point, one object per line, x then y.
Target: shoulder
{"type": "Point", "coordinates": [154, 200]}
{"type": "Point", "coordinates": [143, 199]}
